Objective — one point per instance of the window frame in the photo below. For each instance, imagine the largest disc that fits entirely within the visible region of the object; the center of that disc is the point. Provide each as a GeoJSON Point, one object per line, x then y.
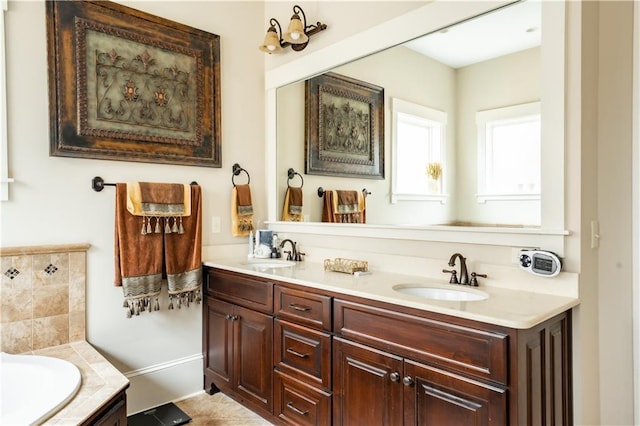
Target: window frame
{"type": "Point", "coordinates": [422, 113]}
{"type": "Point", "coordinates": [483, 119]}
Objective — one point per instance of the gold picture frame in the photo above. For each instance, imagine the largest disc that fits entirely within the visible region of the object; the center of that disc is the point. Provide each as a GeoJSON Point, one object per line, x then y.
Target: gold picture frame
{"type": "Point", "coordinates": [126, 85]}
{"type": "Point", "coordinates": [344, 125]}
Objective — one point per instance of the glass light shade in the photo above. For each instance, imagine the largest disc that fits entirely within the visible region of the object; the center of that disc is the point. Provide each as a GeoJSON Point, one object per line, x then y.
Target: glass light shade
{"type": "Point", "coordinates": [295, 33]}
{"type": "Point", "coordinates": [271, 42]}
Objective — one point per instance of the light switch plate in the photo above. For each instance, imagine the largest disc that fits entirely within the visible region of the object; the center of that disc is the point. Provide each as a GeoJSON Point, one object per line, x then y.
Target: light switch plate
{"type": "Point", "coordinates": [215, 224]}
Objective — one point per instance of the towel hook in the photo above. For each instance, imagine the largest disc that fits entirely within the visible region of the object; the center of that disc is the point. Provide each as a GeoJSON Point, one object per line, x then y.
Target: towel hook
{"type": "Point", "coordinates": [236, 171]}
{"type": "Point", "coordinates": [291, 174]}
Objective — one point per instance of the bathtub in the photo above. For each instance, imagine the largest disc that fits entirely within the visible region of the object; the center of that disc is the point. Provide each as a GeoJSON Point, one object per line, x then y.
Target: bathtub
{"type": "Point", "coordinates": [35, 387]}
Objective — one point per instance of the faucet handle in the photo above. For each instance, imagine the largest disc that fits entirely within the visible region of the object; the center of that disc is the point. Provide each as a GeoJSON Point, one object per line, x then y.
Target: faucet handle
{"type": "Point", "coordinates": [474, 279]}
{"type": "Point", "coordinates": [454, 275]}
{"type": "Point", "coordinates": [299, 257]}
{"type": "Point", "coordinates": [289, 257]}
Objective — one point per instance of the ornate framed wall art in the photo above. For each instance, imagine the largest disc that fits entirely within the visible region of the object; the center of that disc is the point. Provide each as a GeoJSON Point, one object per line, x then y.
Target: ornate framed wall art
{"type": "Point", "coordinates": [344, 124]}
{"type": "Point", "coordinates": [126, 85]}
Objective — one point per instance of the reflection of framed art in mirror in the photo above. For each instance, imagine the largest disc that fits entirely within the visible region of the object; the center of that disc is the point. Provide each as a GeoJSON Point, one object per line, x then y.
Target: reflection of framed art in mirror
{"type": "Point", "coordinates": [344, 127]}
{"type": "Point", "coordinates": [126, 85]}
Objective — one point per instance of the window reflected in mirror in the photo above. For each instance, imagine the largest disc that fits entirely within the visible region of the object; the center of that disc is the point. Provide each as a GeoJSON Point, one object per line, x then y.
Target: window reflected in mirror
{"type": "Point", "coordinates": [509, 152]}
{"type": "Point", "coordinates": [418, 145]}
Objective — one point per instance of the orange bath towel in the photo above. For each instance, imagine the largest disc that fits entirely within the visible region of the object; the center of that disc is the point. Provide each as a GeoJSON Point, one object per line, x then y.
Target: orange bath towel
{"type": "Point", "coordinates": [143, 260]}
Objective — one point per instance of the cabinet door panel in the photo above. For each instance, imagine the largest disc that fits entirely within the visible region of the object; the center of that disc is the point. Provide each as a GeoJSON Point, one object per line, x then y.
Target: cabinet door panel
{"type": "Point", "coordinates": [364, 392]}
{"type": "Point", "coordinates": [244, 290]}
{"type": "Point", "coordinates": [254, 356]}
{"type": "Point", "coordinates": [297, 403]}
{"type": "Point", "coordinates": [218, 347]}
{"type": "Point", "coordinates": [313, 310]}
{"type": "Point", "coordinates": [468, 350]}
{"type": "Point", "coordinates": [303, 353]}
{"type": "Point", "coordinates": [437, 398]}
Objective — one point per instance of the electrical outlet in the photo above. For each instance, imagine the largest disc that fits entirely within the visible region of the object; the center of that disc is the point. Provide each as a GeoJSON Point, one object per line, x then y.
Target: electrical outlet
{"type": "Point", "coordinates": [215, 224]}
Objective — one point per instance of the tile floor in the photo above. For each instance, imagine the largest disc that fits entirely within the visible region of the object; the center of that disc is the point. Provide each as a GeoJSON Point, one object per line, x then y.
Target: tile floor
{"type": "Point", "coordinates": [219, 410]}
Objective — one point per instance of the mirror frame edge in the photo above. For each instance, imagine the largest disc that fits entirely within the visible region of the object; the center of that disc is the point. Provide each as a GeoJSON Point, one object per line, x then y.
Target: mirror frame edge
{"type": "Point", "coordinates": [428, 18]}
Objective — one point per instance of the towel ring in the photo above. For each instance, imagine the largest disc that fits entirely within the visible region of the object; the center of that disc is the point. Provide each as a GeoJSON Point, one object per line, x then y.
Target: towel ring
{"type": "Point", "coordinates": [236, 171]}
{"type": "Point", "coordinates": [322, 191]}
{"type": "Point", "coordinates": [291, 174]}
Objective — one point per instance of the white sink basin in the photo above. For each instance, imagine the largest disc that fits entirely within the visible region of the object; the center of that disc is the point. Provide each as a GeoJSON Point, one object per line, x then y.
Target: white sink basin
{"type": "Point", "coordinates": [271, 264]}
{"type": "Point", "coordinates": [438, 293]}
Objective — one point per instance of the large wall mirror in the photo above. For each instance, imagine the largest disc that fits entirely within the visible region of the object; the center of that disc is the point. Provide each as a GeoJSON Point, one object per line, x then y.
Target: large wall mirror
{"type": "Point", "coordinates": [456, 65]}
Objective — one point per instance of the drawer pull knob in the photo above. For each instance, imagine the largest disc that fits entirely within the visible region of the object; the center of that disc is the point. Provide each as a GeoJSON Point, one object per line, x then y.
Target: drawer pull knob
{"type": "Point", "coordinates": [299, 307]}
{"type": "Point", "coordinates": [296, 353]}
{"type": "Point", "coordinates": [408, 381]}
{"type": "Point", "coordinates": [297, 410]}
{"type": "Point", "coordinates": [395, 376]}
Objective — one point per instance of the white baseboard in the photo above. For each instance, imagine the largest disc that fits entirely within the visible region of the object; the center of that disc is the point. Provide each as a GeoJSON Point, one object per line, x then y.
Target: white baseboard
{"type": "Point", "coordinates": [165, 382]}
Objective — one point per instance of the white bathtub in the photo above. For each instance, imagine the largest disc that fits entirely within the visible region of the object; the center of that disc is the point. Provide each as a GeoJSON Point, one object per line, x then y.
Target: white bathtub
{"type": "Point", "coordinates": [34, 388]}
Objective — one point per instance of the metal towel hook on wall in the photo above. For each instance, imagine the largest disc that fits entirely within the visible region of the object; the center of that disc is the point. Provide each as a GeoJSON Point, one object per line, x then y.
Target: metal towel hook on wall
{"type": "Point", "coordinates": [236, 171]}
{"type": "Point", "coordinates": [291, 174]}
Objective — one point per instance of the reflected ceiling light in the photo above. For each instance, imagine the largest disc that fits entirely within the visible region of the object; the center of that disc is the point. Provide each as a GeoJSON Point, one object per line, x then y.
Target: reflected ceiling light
{"type": "Point", "coordinates": [297, 35]}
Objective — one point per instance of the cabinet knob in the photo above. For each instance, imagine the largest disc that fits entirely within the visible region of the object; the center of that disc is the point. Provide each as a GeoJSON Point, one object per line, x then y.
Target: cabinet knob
{"type": "Point", "coordinates": [395, 376]}
{"type": "Point", "coordinates": [407, 381]}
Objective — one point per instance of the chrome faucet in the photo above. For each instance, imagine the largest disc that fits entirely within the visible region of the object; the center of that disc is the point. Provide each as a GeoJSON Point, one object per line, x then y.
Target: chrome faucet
{"type": "Point", "coordinates": [293, 254]}
{"type": "Point", "coordinates": [464, 277]}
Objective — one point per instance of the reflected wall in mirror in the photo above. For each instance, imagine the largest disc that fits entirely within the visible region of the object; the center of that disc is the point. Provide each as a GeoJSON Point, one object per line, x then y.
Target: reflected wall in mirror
{"type": "Point", "coordinates": [455, 79]}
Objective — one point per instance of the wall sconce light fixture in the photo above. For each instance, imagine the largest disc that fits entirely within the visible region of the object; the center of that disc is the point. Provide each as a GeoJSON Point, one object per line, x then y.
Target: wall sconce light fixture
{"type": "Point", "coordinates": [296, 36]}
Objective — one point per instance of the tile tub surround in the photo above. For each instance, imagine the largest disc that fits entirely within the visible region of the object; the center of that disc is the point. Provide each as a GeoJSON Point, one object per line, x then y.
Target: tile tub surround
{"type": "Point", "coordinates": [42, 296]}
{"type": "Point", "coordinates": [101, 381]}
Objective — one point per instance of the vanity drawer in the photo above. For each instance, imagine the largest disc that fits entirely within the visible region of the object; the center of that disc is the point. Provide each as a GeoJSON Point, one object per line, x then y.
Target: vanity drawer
{"type": "Point", "coordinates": [305, 308]}
{"type": "Point", "coordinates": [477, 352]}
{"type": "Point", "coordinates": [244, 290]}
{"type": "Point", "coordinates": [297, 403]}
{"type": "Point", "coordinates": [303, 352]}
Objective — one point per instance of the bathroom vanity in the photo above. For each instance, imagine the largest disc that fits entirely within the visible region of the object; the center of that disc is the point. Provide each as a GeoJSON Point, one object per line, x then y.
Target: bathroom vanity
{"type": "Point", "coordinates": [302, 346]}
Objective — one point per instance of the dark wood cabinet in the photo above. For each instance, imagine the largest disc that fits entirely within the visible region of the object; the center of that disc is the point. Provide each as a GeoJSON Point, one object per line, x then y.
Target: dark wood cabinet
{"type": "Point", "coordinates": [302, 356]}
{"type": "Point", "coordinates": [238, 343]}
{"type": "Point", "coordinates": [112, 413]}
{"type": "Point", "coordinates": [436, 397]}
{"type": "Point", "coordinates": [374, 387]}
{"type": "Point", "coordinates": [367, 385]}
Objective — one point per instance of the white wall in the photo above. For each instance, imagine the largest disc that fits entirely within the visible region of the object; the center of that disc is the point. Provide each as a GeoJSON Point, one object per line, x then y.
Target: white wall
{"type": "Point", "coordinates": [614, 210]}
{"type": "Point", "coordinates": [52, 201]}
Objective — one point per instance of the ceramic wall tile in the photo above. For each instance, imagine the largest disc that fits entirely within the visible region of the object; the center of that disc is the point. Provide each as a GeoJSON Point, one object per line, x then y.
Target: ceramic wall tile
{"type": "Point", "coordinates": [50, 331]}
{"type": "Point", "coordinates": [16, 337]}
{"type": "Point", "coordinates": [50, 300]}
{"type": "Point", "coordinates": [43, 296]}
{"type": "Point", "coordinates": [16, 305]}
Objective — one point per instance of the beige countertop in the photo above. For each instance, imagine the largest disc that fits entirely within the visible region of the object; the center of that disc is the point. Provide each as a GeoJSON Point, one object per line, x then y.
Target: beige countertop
{"type": "Point", "coordinates": [505, 306]}
{"type": "Point", "coordinates": [101, 381]}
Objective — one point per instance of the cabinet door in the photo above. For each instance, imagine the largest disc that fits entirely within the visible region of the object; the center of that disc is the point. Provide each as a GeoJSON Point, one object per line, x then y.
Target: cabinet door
{"type": "Point", "coordinates": [367, 387]}
{"type": "Point", "coordinates": [218, 344]}
{"type": "Point", "coordinates": [435, 397]}
{"type": "Point", "coordinates": [297, 403]}
{"type": "Point", "coordinates": [253, 359]}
